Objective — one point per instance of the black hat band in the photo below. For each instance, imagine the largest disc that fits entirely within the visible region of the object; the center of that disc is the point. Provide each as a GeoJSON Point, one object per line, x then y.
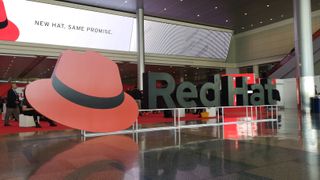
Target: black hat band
{"type": "Point", "coordinates": [4, 24]}
{"type": "Point", "coordinates": [83, 99]}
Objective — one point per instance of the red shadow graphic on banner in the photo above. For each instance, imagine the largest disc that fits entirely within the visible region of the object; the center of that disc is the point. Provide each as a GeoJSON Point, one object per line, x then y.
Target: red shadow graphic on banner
{"type": "Point", "coordinates": [85, 92]}
{"type": "Point", "coordinates": [109, 157]}
{"type": "Point", "coordinates": [8, 30]}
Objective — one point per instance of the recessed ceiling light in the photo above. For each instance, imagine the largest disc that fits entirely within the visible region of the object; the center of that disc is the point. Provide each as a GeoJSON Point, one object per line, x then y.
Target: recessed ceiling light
{"type": "Point", "coordinates": [164, 9]}
{"type": "Point", "coordinates": [261, 22]}
{"type": "Point", "coordinates": [271, 19]}
{"type": "Point", "coordinates": [125, 1]}
{"type": "Point", "coordinates": [216, 7]}
{"type": "Point", "coordinates": [198, 15]}
{"type": "Point", "coordinates": [181, 0]}
{"type": "Point", "coordinates": [245, 13]}
{"type": "Point", "coordinates": [227, 20]}
{"type": "Point", "coordinates": [251, 25]}
{"type": "Point", "coordinates": [242, 27]}
{"type": "Point", "coordinates": [268, 5]}
{"type": "Point", "coordinates": [282, 15]}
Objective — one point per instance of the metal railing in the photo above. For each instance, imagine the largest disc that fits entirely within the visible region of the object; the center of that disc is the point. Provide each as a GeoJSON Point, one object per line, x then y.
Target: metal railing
{"type": "Point", "coordinates": [218, 116]}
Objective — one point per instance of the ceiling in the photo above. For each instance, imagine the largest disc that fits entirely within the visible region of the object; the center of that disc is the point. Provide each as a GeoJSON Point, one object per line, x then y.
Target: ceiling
{"type": "Point", "coordinates": [238, 15]}
{"type": "Point", "coordinates": [34, 67]}
{"type": "Point", "coordinates": [26, 67]}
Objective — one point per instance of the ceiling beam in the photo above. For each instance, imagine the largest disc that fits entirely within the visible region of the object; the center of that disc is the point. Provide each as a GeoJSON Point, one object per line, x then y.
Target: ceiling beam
{"type": "Point", "coordinates": [31, 66]}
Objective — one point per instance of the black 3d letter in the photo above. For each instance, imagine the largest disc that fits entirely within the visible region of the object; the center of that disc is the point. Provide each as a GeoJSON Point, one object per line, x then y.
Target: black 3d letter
{"type": "Point", "coordinates": [152, 92]}
{"type": "Point", "coordinates": [228, 91]}
{"type": "Point", "coordinates": [184, 97]}
{"type": "Point", "coordinates": [257, 98]}
{"type": "Point", "coordinates": [204, 93]}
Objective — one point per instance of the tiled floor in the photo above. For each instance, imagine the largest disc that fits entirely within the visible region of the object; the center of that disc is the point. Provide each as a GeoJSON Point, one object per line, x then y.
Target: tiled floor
{"type": "Point", "coordinates": [291, 152]}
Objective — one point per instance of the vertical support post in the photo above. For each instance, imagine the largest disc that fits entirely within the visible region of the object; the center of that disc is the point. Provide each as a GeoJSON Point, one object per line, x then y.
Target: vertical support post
{"type": "Point", "coordinates": [304, 52]}
{"type": "Point", "coordinates": [256, 71]}
{"type": "Point", "coordinates": [141, 58]}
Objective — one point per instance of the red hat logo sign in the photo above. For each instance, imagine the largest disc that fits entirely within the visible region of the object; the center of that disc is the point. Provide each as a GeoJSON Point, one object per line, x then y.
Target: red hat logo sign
{"type": "Point", "coordinates": [8, 30]}
{"type": "Point", "coordinates": [85, 92]}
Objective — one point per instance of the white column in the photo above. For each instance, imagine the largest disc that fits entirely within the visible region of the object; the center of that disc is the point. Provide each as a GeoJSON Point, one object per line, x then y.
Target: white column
{"type": "Point", "coordinates": [256, 71]}
{"type": "Point", "coordinates": [304, 51]}
{"type": "Point", "coordinates": [140, 64]}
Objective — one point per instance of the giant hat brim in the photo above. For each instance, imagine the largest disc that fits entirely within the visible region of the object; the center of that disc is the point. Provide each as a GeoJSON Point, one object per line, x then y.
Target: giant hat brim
{"type": "Point", "coordinates": [44, 98]}
{"type": "Point", "coordinates": [10, 32]}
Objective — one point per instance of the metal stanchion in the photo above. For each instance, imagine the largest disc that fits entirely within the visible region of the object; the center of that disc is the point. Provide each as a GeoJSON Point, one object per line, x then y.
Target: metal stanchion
{"type": "Point", "coordinates": [277, 115]}
{"type": "Point", "coordinates": [251, 120]}
{"type": "Point", "coordinates": [175, 116]}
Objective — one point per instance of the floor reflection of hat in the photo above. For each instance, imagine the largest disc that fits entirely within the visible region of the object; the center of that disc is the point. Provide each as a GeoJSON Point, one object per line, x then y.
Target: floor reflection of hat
{"type": "Point", "coordinates": [108, 157]}
{"type": "Point", "coordinates": [8, 30]}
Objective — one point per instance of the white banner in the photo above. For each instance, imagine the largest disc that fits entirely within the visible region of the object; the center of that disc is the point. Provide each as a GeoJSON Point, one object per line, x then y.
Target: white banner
{"type": "Point", "coordinates": [64, 26]}
{"type": "Point", "coordinates": [57, 25]}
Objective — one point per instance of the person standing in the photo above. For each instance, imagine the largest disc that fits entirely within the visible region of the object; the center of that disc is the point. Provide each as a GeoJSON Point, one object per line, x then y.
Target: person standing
{"type": "Point", "coordinates": [28, 110]}
{"type": "Point", "coordinates": [12, 105]}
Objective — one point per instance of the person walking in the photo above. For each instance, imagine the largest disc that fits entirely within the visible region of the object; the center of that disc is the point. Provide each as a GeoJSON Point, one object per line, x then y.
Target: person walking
{"type": "Point", "coordinates": [12, 105]}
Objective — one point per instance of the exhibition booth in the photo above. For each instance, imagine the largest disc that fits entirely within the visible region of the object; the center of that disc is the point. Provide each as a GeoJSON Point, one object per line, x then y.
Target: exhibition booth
{"type": "Point", "coordinates": [191, 55]}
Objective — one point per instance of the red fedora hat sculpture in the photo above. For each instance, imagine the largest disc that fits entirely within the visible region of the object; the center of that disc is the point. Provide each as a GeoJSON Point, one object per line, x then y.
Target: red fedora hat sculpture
{"type": "Point", "coordinates": [85, 92]}
{"type": "Point", "coordinates": [8, 30]}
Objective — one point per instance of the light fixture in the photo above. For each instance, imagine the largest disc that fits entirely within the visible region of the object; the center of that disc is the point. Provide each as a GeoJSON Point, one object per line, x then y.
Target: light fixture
{"type": "Point", "coordinates": [181, 0]}
{"type": "Point", "coordinates": [282, 15]}
{"type": "Point", "coordinates": [18, 55]}
{"type": "Point", "coordinates": [268, 5]}
{"type": "Point", "coordinates": [261, 22]}
{"type": "Point", "coordinates": [242, 27]}
{"type": "Point", "coordinates": [164, 9]}
{"type": "Point", "coordinates": [227, 20]}
{"type": "Point", "coordinates": [245, 13]}
{"type": "Point", "coordinates": [198, 15]}
{"type": "Point", "coordinates": [216, 7]}
{"type": "Point", "coordinates": [251, 25]}
{"type": "Point", "coordinates": [271, 19]}
{"type": "Point", "coordinates": [52, 57]}
{"type": "Point", "coordinates": [125, 1]}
